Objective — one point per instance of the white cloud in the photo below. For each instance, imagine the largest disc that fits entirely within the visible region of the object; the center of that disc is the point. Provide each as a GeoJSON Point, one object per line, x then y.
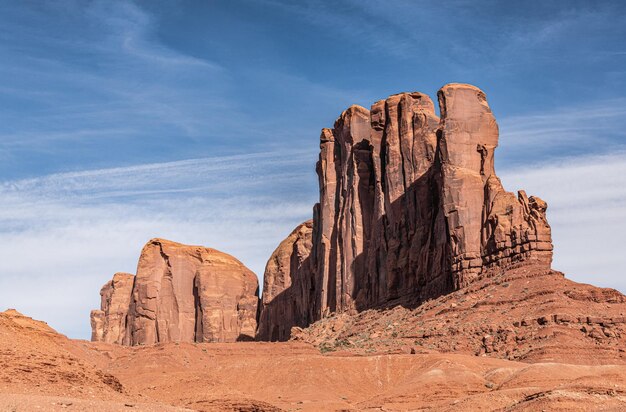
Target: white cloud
{"type": "Point", "coordinates": [587, 211]}
{"type": "Point", "coordinates": [64, 235]}
{"type": "Point", "coordinates": [590, 127]}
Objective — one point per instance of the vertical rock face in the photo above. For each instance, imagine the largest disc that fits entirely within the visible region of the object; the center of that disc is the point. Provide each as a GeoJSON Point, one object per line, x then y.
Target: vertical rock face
{"type": "Point", "coordinates": [227, 300]}
{"type": "Point", "coordinates": [287, 286]}
{"type": "Point", "coordinates": [410, 208]}
{"type": "Point", "coordinates": [406, 255]}
{"type": "Point", "coordinates": [191, 294]}
{"type": "Point", "coordinates": [163, 307]}
{"type": "Point", "coordinates": [487, 226]}
{"type": "Point", "coordinates": [379, 232]}
{"type": "Point", "coordinates": [344, 171]}
{"type": "Point", "coordinates": [469, 136]}
{"type": "Point", "coordinates": [97, 325]}
{"type": "Point", "coordinates": [109, 323]}
{"type": "Point", "coordinates": [180, 293]}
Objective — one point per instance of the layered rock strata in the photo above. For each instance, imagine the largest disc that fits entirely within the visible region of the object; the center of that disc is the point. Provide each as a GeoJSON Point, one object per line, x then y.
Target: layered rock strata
{"type": "Point", "coordinates": [181, 293]}
{"type": "Point", "coordinates": [410, 209]}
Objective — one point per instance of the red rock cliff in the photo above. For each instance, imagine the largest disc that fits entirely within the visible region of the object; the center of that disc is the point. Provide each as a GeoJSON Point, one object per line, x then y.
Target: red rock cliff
{"type": "Point", "coordinates": [410, 208]}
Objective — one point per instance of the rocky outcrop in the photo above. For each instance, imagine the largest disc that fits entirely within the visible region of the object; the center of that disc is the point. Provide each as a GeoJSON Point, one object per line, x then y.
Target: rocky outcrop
{"type": "Point", "coordinates": [410, 208]}
{"type": "Point", "coordinates": [379, 231]}
{"type": "Point", "coordinates": [529, 313]}
{"type": "Point", "coordinates": [287, 286]}
{"type": "Point", "coordinates": [227, 300]}
{"type": "Point", "coordinates": [97, 325]}
{"type": "Point", "coordinates": [181, 293]}
{"type": "Point", "coordinates": [109, 323]}
{"type": "Point", "coordinates": [487, 226]}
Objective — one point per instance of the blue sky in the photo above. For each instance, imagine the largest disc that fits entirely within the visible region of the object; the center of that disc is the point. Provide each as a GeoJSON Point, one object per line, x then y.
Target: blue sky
{"type": "Point", "coordinates": [199, 122]}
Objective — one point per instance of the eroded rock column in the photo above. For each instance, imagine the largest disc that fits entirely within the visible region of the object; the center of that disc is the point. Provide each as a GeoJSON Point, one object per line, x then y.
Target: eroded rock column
{"type": "Point", "coordinates": [469, 136]}
{"type": "Point", "coordinates": [109, 323]}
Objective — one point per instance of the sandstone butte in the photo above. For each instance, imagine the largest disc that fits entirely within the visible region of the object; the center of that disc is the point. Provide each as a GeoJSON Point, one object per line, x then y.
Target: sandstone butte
{"type": "Point", "coordinates": [180, 293]}
{"type": "Point", "coordinates": [410, 209]}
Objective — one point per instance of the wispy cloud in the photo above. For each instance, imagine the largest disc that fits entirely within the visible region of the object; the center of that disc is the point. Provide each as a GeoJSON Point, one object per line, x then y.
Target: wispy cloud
{"type": "Point", "coordinates": [468, 36]}
{"type": "Point", "coordinates": [376, 28]}
{"type": "Point", "coordinates": [105, 78]}
{"type": "Point", "coordinates": [191, 174]}
{"type": "Point", "coordinates": [108, 91]}
{"type": "Point", "coordinates": [64, 235]}
{"type": "Point", "coordinates": [594, 128]}
{"type": "Point", "coordinates": [133, 29]}
{"type": "Point", "coordinates": [587, 210]}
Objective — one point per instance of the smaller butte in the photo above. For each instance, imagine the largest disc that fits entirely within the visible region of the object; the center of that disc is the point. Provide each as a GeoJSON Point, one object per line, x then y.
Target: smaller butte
{"type": "Point", "coordinates": [181, 293]}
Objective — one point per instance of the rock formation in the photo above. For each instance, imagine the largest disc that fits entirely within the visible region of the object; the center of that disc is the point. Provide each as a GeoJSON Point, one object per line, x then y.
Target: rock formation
{"type": "Point", "coordinates": [180, 293]}
{"type": "Point", "coordinates": [487, 226]}
{"type": "Point", "coordinates": [410, 209]}
{"type": "Point", "coordinates": [109, 323]}
{"type": "Point", "coordinates": [529, 313]}
{"type": "Point", "coordinates": [287, 280]}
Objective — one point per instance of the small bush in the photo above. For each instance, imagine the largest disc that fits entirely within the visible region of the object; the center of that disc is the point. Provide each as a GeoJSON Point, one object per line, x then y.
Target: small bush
{"type": "Point", "coordinates": [326, 347]}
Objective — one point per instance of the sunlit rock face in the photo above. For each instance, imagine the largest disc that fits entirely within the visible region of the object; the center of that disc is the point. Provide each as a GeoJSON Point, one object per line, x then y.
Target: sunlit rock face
{"type": "Point", "coordinates": [109, 323]}
{"type": "Point", "coordinates": [181, 293]}
{"type": "Point", "coordinates": [410, 208]}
